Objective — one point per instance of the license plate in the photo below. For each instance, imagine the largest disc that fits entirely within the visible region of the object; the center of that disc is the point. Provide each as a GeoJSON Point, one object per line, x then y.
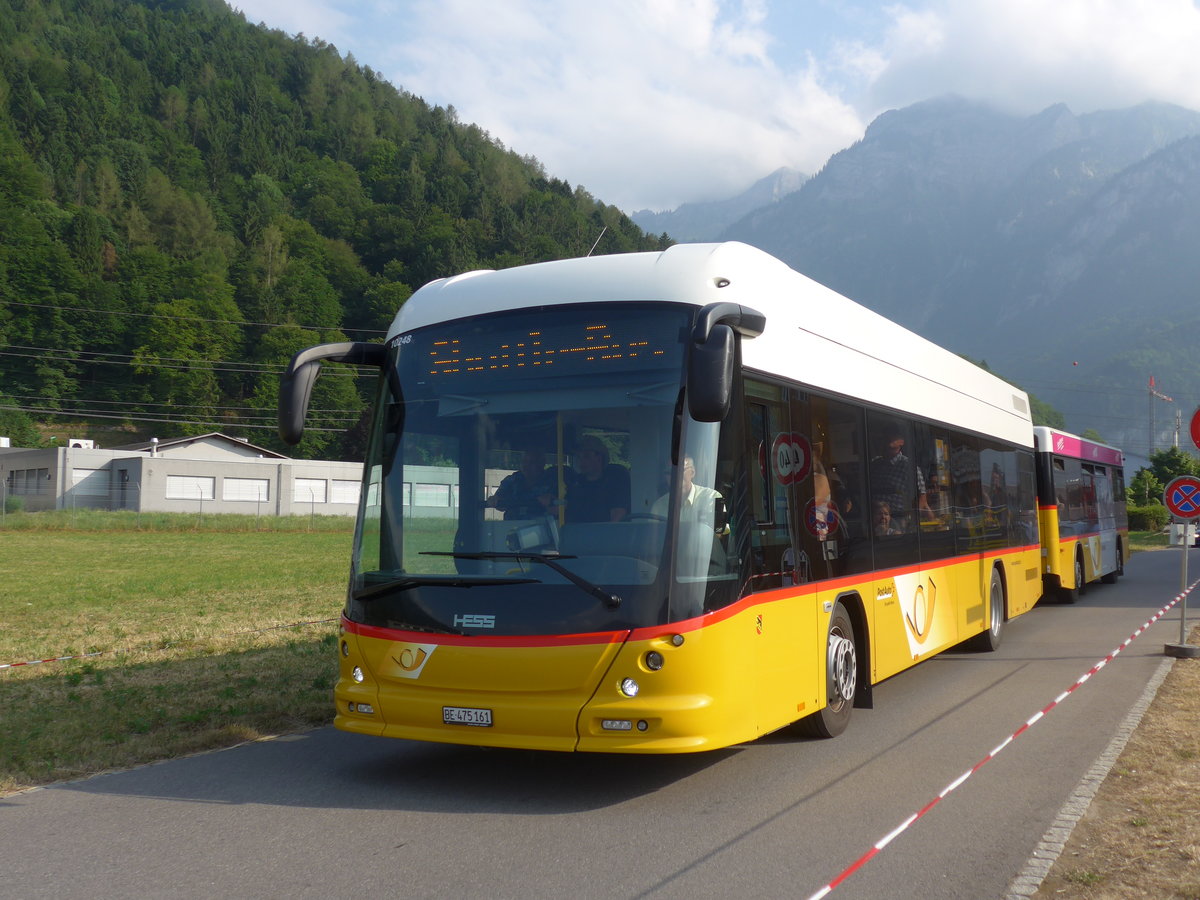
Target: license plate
{"type": "Point", "coordinates": [466, 715]}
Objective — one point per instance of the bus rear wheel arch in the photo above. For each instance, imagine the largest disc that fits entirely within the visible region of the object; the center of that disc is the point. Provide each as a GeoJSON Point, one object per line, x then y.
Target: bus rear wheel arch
{"type": "Point", "coordinates": [1111, 577]}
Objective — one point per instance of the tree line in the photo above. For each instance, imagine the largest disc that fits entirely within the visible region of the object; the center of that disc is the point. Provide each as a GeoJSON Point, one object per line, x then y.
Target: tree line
{"type": "Point", "coordinates": [186, 199]}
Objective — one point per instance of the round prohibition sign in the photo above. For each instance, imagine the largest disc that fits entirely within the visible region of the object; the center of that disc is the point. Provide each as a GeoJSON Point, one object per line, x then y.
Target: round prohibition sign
{"type": "Point", "coordinates": [1182, 496]}
{"type": "Point", "coordinates": [821, 519]}
{"type": "Point", "coordinates": [791, 457]}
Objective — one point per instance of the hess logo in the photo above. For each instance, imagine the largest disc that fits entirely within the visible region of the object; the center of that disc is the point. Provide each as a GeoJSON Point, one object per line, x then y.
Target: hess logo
{"type": "Point", "coordinates": [411, 658]}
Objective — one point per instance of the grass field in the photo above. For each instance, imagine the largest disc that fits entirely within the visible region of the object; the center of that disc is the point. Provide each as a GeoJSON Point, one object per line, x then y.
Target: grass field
{"type": "Point", "coordinates": [207, 633]}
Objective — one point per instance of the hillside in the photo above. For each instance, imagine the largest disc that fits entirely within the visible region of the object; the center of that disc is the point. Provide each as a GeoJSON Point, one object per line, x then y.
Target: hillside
{"type": "Point", "coordinates": [1060, 248]}
{"type": "Point", "coordinates": [186, 199]}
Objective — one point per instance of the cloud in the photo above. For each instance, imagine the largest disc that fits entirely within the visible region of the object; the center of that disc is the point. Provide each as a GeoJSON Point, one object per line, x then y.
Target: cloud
{"type": "Point", "coordinates": [1029, 54]}
{"type": "Point", "coordinates": [643, 102]}
{"type": "Point", "coordinates": [651, 103]}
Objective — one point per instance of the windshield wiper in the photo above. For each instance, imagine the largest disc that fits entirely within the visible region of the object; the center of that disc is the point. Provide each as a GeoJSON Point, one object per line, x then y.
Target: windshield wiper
{"type": "Point", "coordinates": [464, 581]}
{"type": "Point", "coordinates": [612, 601]}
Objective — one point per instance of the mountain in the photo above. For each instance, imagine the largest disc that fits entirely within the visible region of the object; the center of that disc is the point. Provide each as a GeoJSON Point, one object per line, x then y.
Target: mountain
{"type": "Point", "coordinates": [705, 221]}
{"type": "Point", "coordinates": [1061, 248]}
{"type": "Point", "coordinates": [187, 199]}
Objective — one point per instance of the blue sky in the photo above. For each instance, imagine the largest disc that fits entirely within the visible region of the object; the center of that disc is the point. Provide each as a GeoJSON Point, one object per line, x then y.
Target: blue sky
{"type": "Point", "coordinates": [652, 103]}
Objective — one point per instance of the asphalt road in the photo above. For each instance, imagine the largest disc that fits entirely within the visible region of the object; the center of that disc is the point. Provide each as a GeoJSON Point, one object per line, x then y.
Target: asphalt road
{"type": "Point", "coordinates": [334, 815]}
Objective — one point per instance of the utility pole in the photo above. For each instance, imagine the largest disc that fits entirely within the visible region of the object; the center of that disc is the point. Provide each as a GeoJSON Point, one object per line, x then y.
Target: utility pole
{"type": "Point", "coordinates": [1154, 392]}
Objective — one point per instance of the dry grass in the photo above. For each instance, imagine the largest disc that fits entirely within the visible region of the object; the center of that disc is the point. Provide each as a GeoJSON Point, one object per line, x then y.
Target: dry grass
{"type": "Point", "coordinates": [1141, 835]}
{"type": "Point", "coordinates": [200, 640]}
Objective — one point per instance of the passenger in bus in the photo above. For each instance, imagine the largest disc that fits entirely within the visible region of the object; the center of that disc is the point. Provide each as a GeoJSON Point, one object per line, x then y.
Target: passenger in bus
{"type": "Point", "coordinates": [893, 477]}
{"type": "Point", "coordinates": [881, 521]}
{"type": "Point", "coordinates": [697, 503]}
{"type": "Point", "coordinates": [527, 492]}
{"type": "Point", "coordinates": [599, 491]}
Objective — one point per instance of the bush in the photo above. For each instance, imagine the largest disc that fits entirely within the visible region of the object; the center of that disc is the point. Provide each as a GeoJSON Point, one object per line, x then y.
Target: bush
{"type": "Point", "coordinates": [14, 504]}
{"type": "Point", "coordinates": [1148, 518]}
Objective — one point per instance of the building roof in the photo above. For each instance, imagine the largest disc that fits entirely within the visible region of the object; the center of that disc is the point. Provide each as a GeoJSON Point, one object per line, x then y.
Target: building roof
{"type": "Point", "coordinates": [212, 439]}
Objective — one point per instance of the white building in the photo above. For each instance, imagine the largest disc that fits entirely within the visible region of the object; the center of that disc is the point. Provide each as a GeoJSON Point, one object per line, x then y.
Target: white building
{"type": "Point", "coordinates": [209, 473]}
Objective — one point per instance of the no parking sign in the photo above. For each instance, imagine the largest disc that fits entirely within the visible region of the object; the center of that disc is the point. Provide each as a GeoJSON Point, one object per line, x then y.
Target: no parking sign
{"type": "Point", "coordinates": [1182, 497]}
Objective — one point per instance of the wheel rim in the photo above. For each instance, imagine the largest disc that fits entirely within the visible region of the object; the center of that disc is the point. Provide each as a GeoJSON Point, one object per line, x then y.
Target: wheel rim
{"type": "Point", "coordinates": [997, 604]}
{"type": "Point", "coordinates": [1078, 574]}
{"type": "Point", "coordinates": [843, 669]}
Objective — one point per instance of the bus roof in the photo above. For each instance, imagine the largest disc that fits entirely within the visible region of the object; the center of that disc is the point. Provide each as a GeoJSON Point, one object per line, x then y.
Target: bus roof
{"type": "Point", "coordinates": [813, 334]}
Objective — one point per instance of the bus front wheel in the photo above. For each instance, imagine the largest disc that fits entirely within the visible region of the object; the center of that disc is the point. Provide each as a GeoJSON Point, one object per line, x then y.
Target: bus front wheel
{"type": "Point", "coordinates": [841, 678]}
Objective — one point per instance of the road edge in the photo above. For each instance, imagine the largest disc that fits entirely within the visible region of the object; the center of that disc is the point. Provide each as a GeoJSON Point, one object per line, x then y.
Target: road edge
{"type": "Point", "coordinates": [1052, 843]}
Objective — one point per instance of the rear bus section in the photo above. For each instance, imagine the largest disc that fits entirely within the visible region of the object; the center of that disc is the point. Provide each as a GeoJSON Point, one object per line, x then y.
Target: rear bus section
{"type": "Point", "coordinates": [1081, 512]}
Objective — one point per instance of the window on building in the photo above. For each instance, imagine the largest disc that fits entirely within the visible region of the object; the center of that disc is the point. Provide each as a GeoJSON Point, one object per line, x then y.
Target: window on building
{"type": "Point", "coordinates": [256, 489]}
{"type": "Point", "coordinates": [191, 487]}
{"type": "Point", "coordinates": [431, 494]}
{"type": "Point", "coordinates": [344, 491]}
{"type": "Point", "coordinates": [308, 490]}
{"type": "Point", "coordinates": [90, 482]}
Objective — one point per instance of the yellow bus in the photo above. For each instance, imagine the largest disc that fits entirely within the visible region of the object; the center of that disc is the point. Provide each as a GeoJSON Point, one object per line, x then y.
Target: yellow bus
{"type": "Point", "coordinates": [1081, 512]}
{"type": "Point", "coordinates": [666, 502]}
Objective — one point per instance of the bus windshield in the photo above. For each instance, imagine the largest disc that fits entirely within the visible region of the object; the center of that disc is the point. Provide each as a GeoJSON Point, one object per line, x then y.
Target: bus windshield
{"type": "Point", "coordinates": [519, 475]}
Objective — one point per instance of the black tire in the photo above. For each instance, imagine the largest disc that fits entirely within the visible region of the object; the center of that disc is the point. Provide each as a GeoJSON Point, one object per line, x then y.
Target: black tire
{"type": "Point", "coordinates": [841, 678]}
{"type": "Point", "coordinates": [990, 640]}
{"type": "Point", "coordinates": [1070, 595]}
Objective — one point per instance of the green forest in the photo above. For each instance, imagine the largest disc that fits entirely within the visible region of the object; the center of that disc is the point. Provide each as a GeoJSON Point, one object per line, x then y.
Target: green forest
{"type": "Point", "coordinates": [187, 199]}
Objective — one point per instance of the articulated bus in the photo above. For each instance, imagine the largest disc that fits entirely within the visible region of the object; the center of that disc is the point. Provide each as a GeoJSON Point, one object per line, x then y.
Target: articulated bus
{"type": "Point", "coordinates": [743, 500]}
{"type": "Point", "coordinates": [1081, 512]}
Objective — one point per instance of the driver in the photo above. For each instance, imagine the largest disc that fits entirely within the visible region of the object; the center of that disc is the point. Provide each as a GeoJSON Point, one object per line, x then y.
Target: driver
{"type": "Point", "coordinates": [599, 492]}
{"type": "Point", "coordinates": [697, 503]}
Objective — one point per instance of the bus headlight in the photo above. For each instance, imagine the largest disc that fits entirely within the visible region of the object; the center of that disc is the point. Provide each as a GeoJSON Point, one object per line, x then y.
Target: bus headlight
{"type": "Point", "coordinates": [357, 674]}
{"type": "Point", "coordinates": [629, 687]}
{"type": "Point", "coordinates": [654, 660]}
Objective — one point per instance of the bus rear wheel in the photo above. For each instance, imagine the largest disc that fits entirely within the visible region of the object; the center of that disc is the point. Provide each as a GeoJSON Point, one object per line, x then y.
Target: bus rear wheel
{"type": "Point", "coordinates": [989, 640]}
{"type": "Point", "coordinates": [1070, 595]}
{"type": "Point", "coordinates": [841, 679]}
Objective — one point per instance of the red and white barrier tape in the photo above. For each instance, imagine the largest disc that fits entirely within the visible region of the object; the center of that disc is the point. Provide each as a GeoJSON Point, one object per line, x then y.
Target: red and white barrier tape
{"type": "Point", "coordinates": [34, 662]}
{"type": "Point", "coordinates": [888, 838]}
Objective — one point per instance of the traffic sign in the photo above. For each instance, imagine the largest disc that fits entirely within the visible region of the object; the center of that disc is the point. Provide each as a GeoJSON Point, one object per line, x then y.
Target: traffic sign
{"type": "Point", "coordinates": [1182, 496]}
{"type": "Point", "coordinates": [1196, 427]}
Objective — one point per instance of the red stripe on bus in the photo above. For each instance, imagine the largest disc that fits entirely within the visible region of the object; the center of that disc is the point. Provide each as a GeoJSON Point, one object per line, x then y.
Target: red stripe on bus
{"type": "Point", "coordinates": [761, 598]}
{"type": "Point", "coordinates": [484, 640]}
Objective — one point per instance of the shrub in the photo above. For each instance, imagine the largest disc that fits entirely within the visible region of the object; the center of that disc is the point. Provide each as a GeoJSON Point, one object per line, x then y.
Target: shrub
{"type": "Point", "coordinates": [1148, 518]}
{"type": "Point", "coordinates": [14, 504]}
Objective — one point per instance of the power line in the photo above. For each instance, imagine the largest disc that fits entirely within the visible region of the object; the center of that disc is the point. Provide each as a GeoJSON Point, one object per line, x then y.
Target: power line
{"type": "Point", "coordinates": [206, 423]}
{"type": "Point", "coordinates": [146, 403]}
{"type": "Point", "coordinates": [128, 359]}
{"type": "Point", "coordinates": [123, 314]}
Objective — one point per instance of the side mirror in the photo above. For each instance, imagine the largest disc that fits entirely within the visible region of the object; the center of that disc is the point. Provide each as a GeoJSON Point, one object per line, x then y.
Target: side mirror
{"type": "Point", "coordinates": [296, 383]}
{"type": "Point", "coordinates": [710, 375]}
{"type": "Point", "coordinates": [711, 355]}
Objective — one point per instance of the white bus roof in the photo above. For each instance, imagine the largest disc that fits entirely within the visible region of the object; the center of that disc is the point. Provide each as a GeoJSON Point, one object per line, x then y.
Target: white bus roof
{"type": "Point", "coordinates": [813, 334]}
